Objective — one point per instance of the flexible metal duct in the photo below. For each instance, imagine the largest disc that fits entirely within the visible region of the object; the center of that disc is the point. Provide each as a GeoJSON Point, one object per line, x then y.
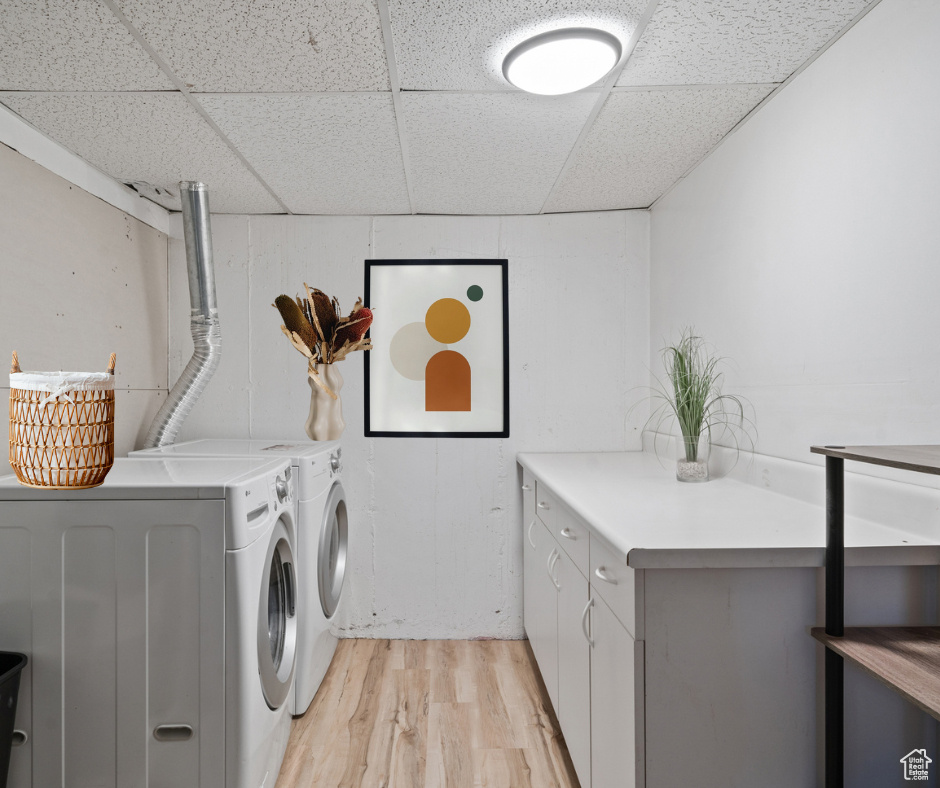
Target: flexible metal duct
{"type": "Point", "coordinates": [203, 321]}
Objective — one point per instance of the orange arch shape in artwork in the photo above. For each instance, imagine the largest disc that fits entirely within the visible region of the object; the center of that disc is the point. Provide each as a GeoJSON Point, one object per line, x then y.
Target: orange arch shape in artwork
{"type": "Point", "coordinates": [447, 382]}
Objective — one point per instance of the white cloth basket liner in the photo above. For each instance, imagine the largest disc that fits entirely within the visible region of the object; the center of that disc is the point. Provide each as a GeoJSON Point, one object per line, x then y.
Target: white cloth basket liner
{"type": "Point", "coordinates": [62, 382]}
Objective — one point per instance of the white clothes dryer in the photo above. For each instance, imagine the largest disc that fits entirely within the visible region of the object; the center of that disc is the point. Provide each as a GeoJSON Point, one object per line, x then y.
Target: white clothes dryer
{"type": "Point", "coordinates": [159, 613]}
{"type": "Point", "coordinates": [322, 539]}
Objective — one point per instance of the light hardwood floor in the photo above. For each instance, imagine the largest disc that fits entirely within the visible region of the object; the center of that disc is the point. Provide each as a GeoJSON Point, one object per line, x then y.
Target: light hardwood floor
{"type": "Point", "coordinates": [429, 714]}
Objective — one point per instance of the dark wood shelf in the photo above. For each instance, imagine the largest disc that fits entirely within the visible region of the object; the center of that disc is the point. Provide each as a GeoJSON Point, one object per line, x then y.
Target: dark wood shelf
{"type": "Point", "coordinates": [923, 459]}
{"type": "Point", "coordinates": [907, 659]}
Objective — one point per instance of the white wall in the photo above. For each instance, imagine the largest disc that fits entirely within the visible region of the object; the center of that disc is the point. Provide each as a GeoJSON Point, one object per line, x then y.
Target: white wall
{"type": "Point", "coordinates": [436, 548]}
{"type": "Point", "coordinates": [806, 247]}
{"type": "Point", "coordinates": [80, 280]}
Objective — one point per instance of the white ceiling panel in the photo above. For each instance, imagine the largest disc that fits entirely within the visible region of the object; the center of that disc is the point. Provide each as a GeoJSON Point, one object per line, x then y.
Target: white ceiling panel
{"type": "Point", "coordinates": [460, 44]}
{"type": "Point", "coordinates": [643, 141]}
{"type": "Point", "coordinates": [329, 154]}
{"type": "Point", "coordinates": [489, 153]}
{"type": "Point", "coordinates": [701, 42]}
{"type": "Point", "coordinates": [71, 45]}
{"type": "Point", "coordinates": [289, 104]}
{"type": "Point", "coordinates": [157, 138]}
{"type": "Point", "coordinates": [273, 45]}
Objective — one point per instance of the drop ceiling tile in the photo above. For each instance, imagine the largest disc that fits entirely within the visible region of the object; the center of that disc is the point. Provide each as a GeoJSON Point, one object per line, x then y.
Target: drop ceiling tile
{"type": "Point", "coordinates": [489, 153]}
{"type": "Point", "coordinates": [325, 154]}
{"type": "Point", "coordinates": [460, 44]}
{"type": "Point", "coordinates": [157, 138]}
{"type": "Point", "coordinates": [700, 42]}
{"type": "Point", "coordinates": [274, 45]}
{"type": "Point", "coordinates": [71, 45]}
{"type": "Point", "coordinates": [643, 141]}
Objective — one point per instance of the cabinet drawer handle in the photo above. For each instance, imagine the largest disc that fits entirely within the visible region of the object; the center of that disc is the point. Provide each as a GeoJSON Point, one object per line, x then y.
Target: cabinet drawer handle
{"type": "Point", "coordinates": [584, 621]}
{"type": "Point", "coordinates": [553, 556]}
{"type": "Point", "coordinates": [526, 488]}
{"type": "Point", "coordinates": [543, 505]}
{"type": "Point", "coordinates": [566, 532]}
{"type": "Point", "coordinates": [599, 572]}
{"type": "Point", "coordinates": [173, 732]}
{"type": "Point", "coordinates": [529, 534]}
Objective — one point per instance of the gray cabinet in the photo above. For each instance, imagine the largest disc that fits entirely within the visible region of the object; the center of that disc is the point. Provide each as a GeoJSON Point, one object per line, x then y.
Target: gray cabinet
{"type": "Point", "coordinates": [540, 595]}
{"type": "Point", "coordinates": [121, 639]}
{"type": "Point", "coordinates": [574, 665]}
{"type": "Point", "coordinates": [616, 701]}
{"type": "Point", "coordinates": [587, 652]}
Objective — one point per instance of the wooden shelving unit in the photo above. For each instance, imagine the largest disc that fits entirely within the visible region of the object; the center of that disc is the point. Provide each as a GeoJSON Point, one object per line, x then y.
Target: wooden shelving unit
{"type": "Point", "coordinates": [907, 659]}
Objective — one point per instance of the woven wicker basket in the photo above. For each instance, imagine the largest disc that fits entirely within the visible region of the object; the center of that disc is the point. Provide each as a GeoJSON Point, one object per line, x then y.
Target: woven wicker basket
{"type": "Point", "coordinates": [61, 427]}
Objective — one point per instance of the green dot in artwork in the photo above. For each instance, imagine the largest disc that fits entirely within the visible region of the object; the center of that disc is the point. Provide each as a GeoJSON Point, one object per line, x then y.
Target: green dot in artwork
{"type": "Point", "coordinates": [475, 293]}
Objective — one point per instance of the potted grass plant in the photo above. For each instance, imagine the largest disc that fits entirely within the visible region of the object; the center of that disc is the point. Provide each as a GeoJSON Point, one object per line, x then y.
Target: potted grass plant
{"type": "Point", "coordinates": [692, 402]}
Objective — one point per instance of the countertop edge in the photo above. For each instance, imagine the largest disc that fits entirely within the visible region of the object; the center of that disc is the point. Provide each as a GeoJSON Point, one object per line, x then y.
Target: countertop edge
{"type": "Point", "coordinates": [778, 557]}
{"type": "Point", "coordinates": [728, 557]}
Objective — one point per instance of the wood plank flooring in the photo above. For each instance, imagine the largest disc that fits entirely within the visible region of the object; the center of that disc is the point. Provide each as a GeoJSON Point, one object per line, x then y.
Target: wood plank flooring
{"type": "Point", "coordinates": [429, 714]}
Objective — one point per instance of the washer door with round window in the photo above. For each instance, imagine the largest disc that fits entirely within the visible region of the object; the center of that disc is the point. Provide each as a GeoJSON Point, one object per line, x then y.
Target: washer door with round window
{"type": "Point", "coordinates": [331, 557]}
{"type": "Point", "coordinates": [277, 619]}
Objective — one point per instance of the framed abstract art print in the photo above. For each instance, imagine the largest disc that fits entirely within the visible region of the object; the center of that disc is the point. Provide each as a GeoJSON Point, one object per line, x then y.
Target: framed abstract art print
{"type": "Point", "coordinates": [439, 364]}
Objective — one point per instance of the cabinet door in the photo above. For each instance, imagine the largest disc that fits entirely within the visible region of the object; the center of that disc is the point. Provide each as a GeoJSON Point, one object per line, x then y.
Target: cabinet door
{"type": "Point", "coordinates": [124, 632]}
{"type": "Point", "coordinates": [540, 602]}
{"type": "Point", "coordinates": [616, 705]}
{"type": "Point", "coordinates": [16, 603]}
{"type": "Point", "coordinates": [574, 666]}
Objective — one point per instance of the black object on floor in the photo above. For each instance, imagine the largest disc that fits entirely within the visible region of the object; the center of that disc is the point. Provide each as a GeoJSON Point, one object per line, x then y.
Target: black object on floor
{"type": "Point", "coordinates": [11, 666]}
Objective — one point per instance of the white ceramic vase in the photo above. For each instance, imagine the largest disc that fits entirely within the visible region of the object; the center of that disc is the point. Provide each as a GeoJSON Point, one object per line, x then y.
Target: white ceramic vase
{"type": "Point", "coordinates": [325, 422]}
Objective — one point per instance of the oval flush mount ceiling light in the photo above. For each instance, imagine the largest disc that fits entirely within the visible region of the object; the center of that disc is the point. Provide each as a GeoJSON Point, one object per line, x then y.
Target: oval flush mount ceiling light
{"type": "Point", "coordinates": [561, 61]}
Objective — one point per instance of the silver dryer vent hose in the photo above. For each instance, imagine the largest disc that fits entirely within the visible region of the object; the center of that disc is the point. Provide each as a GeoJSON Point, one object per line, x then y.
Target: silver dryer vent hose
{"type": "Point", "coordinates": [203, 321]}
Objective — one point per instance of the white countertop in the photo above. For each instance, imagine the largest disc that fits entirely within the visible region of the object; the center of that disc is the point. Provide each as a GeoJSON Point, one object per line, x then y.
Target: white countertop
{"type": "Point", "coordinates": [633, 501]}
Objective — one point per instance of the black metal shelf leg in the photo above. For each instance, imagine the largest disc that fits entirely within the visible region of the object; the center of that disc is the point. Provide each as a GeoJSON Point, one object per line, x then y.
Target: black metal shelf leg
{"type": "Point", "coordinates": [835, 619]}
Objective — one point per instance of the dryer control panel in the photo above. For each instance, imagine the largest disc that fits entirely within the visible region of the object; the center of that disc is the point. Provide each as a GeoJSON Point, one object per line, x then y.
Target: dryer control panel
{"type": "Point", "coordinates": [253, 503]}
{"type": "Point", "coordinates": [318, 473]}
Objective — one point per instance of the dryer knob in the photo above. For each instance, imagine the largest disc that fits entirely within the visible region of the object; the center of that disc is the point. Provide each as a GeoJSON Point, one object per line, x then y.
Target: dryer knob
{"type": "Point", "coordinates": [282, 489]}
{"type": "Point", "coordinates": [335, 463]}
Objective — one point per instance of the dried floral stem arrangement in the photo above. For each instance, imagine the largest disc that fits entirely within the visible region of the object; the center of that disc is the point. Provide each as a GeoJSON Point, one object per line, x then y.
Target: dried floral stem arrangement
{"type": "Point", "coordinates": [317, 328]}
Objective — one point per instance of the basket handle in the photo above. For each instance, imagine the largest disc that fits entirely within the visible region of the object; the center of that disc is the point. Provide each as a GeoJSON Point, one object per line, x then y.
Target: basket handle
{"type": "Point", "coordinates": [15, 365]}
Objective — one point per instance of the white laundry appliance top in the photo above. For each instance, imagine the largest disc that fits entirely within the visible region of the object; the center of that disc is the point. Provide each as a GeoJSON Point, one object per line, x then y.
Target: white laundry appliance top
{"type": "Point", "coordinates": [139, 478]}
{"type": "Point", "coordinates": [243, 447]}
{"type": "Point", "coordinates": [313, 459]}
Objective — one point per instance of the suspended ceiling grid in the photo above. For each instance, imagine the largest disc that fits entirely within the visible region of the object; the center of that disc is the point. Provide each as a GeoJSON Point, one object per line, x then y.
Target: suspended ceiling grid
{"type": "Point", "coordinates": [396, 106]}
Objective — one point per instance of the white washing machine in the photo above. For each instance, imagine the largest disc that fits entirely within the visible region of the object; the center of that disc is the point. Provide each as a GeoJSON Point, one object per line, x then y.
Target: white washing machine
{"type": "Point", "coordinates": [322, 538]}
{"type": "Point", "coordinates": [159, 614]}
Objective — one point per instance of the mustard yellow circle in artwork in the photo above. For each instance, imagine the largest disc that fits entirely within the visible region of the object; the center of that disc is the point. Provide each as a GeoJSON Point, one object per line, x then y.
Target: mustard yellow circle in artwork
{"type": "Point", "coordinates": [447, 320]}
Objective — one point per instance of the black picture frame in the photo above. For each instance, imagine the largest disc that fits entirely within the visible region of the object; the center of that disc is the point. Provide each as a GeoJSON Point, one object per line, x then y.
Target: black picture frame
{"type": "Point", "coordinates": [375, 372]}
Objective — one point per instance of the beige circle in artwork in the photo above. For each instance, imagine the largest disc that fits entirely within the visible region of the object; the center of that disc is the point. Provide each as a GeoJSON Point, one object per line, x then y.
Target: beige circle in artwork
{"type": "Point", "coordinates": [410, 350]}
{"type": "Point", "coordinates": [447, 320]}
